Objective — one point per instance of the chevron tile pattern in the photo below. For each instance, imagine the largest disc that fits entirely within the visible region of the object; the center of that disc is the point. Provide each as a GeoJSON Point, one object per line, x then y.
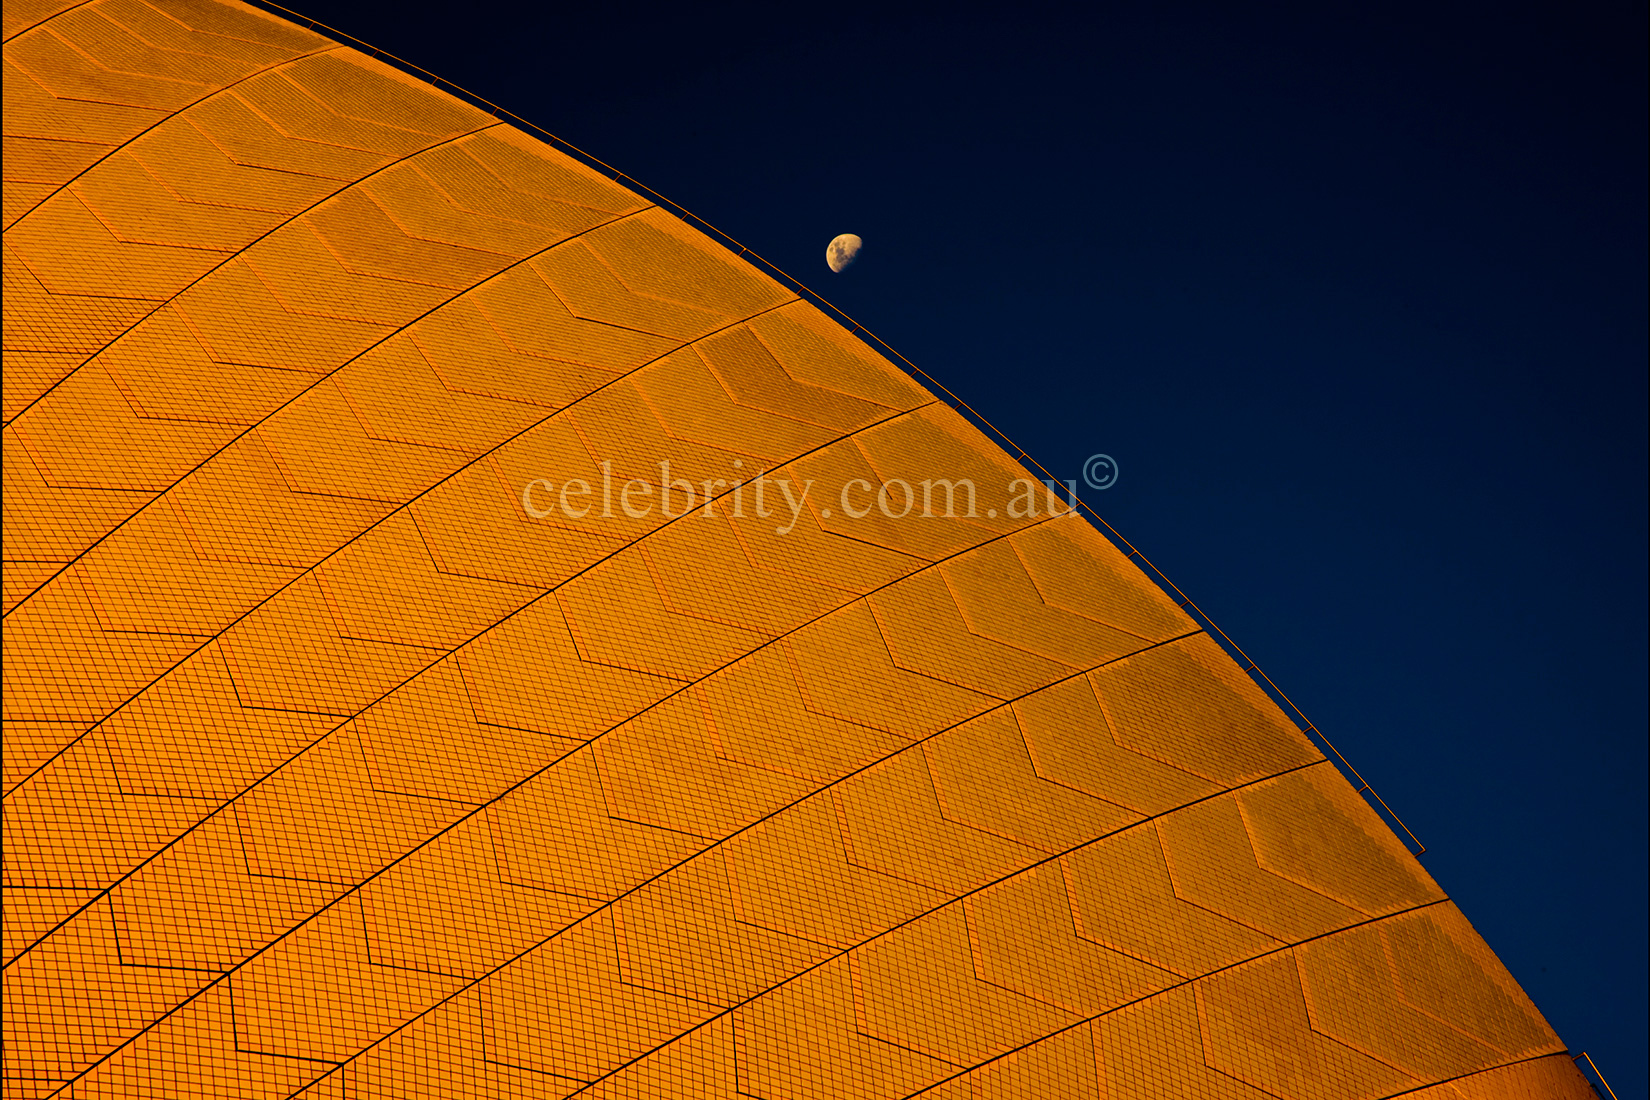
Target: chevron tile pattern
{"type": "Point", "coordinates": [463, 638]}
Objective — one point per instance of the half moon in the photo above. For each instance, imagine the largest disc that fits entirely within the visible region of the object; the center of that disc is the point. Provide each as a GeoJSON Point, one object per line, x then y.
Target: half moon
{"type": "Point", "coordinates": [842, 250]}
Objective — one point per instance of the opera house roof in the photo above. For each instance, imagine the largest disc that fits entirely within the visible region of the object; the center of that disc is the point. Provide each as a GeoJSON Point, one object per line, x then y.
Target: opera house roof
{"type": "Point", "coordinates": [471, 633]}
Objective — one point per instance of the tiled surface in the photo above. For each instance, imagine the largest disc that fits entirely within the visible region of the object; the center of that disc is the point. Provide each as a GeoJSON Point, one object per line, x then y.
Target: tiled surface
{"type": "Point", "coordinates": [332, 770]}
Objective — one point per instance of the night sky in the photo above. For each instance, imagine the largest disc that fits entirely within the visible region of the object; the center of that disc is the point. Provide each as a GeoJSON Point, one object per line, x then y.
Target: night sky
{"type": "Point", "coordinates": [1355, 299]}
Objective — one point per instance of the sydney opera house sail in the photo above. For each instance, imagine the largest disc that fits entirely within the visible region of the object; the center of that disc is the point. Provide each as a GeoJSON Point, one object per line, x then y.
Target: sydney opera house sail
{"type": "Point", "coordinates": [468, 633]}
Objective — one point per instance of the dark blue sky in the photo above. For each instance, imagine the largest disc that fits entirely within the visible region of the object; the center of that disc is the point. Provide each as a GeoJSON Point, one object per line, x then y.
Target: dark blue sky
{"type": "Point", "coordinates": [1356, 299]}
